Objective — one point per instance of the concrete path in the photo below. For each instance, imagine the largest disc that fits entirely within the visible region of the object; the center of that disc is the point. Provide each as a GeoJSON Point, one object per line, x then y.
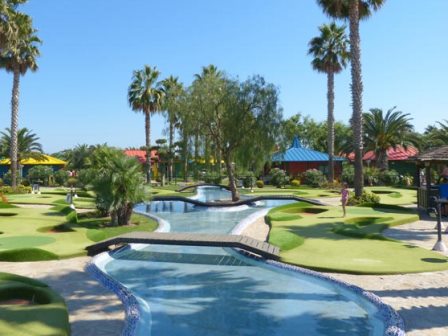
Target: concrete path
{"type": "Point", "coordinates": [94, 311]}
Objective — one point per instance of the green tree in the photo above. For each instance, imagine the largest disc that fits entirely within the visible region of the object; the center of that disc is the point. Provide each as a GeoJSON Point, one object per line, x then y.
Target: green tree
{"type": "Point", "coordinates": [174, 92]}
{"type": "Point", "coordinates": [330, 52]}
{"type": "Point", "coordinates": [145, 95]}
{"type": "Point", "coordinates": [354, 11]}
{"type": "Point", "coordinates": [40, 174]}
{"type": "Point", "coordinates": [8, 26]}
{"type": "Point", "coordinates": [240, 118]}
{"type": "Point", "coordinates": [117, 182]}
{"type": "Point", "coordinates": [385, 131]}
{"type": "Point", "coordinates": [28, 145]}
{"type": "Point", "coordinates": [18, 58]}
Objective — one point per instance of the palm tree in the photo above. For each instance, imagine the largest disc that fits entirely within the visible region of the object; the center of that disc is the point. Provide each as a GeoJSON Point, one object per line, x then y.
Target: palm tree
{"type": "Point", "coordinates": [330, 57]}
{"type": "Point", "coordinates": [385, 131]}
{"type": "Point", "coordinates": [19, 58]}
{"type": "Point", "coordinates": [173, 91]}
{"type": "Point", "coordinates": [354, 10]}
{"type": "Point", "coordinates": [145, 95]}
{"type": "Point", "coordinates": [8, 27]}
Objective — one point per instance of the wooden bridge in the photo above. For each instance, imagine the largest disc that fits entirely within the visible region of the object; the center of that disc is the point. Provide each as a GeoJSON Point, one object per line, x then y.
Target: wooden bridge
{"type": "Point", "coordinates": [263, 249]}
{"type": "Point", "coordinates": [245, 201]}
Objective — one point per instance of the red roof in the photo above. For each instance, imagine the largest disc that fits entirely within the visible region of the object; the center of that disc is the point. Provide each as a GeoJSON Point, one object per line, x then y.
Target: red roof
{"type": "Point", "coordinates": [140, 154]}
{"type": "Point", "coordinates": [397, 154]}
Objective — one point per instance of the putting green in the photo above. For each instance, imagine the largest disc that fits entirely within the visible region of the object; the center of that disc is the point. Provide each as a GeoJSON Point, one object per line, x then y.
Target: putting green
{"type": "Point", "coordinates": [24, 241]}
{"type": "Point", "coordinates": [350, 245]}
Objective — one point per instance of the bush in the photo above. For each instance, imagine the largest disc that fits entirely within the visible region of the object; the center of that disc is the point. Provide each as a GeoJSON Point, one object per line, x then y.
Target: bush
{"type": "Point", "coordinates": [249, 181]}
{"type": "Point", "coordinates": [25, 183]}
{"type": "Point", "coordinates": [21, 189]}
{"type": "Point", "coordinates": [212, 178]}
{"type": "Point", "coordinates": [295, 183]}
{"type": "Point", "coordinates": [60, 177]}
{"type": "Point", "coordinates": [366, 197]}
{"type": "Point", "coordinates": [40, 174]}
{"type": "Point", "coordinates": [371, 176]}
{"type": "Point", "coordinates": [259, 183]}
{"type": "Point", "coordinates": [389, 177]}
{"type": "Point", "coordinates": [348, 173]}
{"type": "Point", "coordinates": [314, 178]}
{"type": "Point", "coordinates": [279, 177]}
{"type": "Point", "coordinates": [406, 180]}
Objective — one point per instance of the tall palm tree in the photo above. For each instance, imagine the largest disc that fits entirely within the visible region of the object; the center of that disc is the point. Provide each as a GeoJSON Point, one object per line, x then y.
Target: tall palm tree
{"type": "Point", "coordinates": [354, 11]}
{"type": "Point", "coordinates": [330, 52]}
{"type": "Point", "coordinates": [19, 58]}
{"type": "Point", "coordinates": [28, 145]}
{"type": "Point", "coordinates": [173, 91]}
{"type": "Point", "coordinates": [8, 27]}
{"type": "Point", "coordinates": [385, 131]}
{"type": "Point", "coordinates": [145, 95]}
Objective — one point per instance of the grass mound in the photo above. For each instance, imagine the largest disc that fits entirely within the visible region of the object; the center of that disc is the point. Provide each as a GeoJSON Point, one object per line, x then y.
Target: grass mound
{"type": "Point", "coordinates": [285, 240]}
{"type": "Point", "coordinates": [367, 220]}
{"type": "Point", "coordinates": [30, 307]}
{"type": "Point", "coordinates": [27, 254]}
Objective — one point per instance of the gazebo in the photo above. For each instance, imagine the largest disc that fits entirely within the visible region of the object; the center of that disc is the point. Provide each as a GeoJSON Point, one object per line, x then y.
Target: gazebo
{"type": "Point", "coordinates": [297, 159]}
{"type": "Point", "coordinates": [427, 162]}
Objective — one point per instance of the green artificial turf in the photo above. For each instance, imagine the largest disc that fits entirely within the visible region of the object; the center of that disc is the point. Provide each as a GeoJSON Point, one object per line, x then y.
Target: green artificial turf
{"type": "Point", "coordinates": [46, 316]}
{"type": "Point", "coordinates": [46, 234]}
{"type": "Point", "coordinates": [353, 244]}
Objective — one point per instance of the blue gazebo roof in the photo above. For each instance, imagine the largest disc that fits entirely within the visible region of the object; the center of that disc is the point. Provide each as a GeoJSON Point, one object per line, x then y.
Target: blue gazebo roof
{"type": "Point", "coordinates": [296, 153]}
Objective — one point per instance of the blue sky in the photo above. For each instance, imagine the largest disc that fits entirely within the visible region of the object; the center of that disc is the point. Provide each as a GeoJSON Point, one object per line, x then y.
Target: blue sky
{"type": "Point", "coordinates": [91, 47]}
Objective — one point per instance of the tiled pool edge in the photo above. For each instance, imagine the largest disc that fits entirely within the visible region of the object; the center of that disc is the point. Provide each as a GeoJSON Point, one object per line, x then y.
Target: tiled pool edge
{"type": "Point", "coordinates": [130, 303]}
{"type": "Point", "coordinates": [394, 324]}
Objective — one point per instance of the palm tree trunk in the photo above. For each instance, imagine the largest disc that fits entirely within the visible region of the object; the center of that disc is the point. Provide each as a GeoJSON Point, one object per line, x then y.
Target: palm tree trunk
{"type": "Point", "coordinates": [356, 88]}
{"type": "Point", "coordinates": [381, 160]}
{"type": "Point", "coordinates": [14, 127]}
{"type": "Point", "coordinates": [170, 160]}
{"type": "Point", "coordinates": [148, 145]}
{"type": "Point", "coordinates": [232, 184]}
{"type": "Point", "coordinates": [330, 125]}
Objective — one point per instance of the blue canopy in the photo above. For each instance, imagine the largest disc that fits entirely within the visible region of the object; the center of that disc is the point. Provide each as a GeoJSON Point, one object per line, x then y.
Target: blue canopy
{"type": "Point", "coordinates": [296, 153]}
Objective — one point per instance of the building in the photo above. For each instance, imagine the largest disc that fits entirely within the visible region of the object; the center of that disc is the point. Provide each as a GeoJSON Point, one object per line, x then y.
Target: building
{"type": "Point", "coordinates": [400, 159]}
{"type": "Point", "coordinates": [297, 159]}
{"type": "Point", "coordinates": [27, 164]}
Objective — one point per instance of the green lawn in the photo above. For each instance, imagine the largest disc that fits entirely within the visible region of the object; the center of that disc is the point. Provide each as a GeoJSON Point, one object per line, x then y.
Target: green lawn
{"type": "Point", "coordinates": [326, 241]}
{"type": "Point", "coordinates": [397, 196]}
{"type": "Point", "coordinates": [42, 234]}
{"type": "Point", "coordinates": [47, 315]}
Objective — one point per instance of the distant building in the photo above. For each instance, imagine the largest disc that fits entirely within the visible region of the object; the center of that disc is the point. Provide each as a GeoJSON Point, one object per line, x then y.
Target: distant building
{"type": "Point", "coordinates": [27, 164]}
{"type": "Point", "coordinates": [297, 159]}
{"type": "Point", "coordinates": [400, 159]}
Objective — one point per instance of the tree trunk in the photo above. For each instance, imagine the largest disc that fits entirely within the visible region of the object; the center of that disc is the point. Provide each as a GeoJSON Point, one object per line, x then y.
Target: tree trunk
{"type": "Point", "coordinates": [330, 125]}
{"type": "Point", "coordinates": [14, 127]}
{"type": "Point", "coordinates": [381, 160]}
{"type": "Point", "coordinates": [148, 145]}
{"type": "Point", "coordinates": [170, 160]}
{"type": "Point", "coordinates": [230, 174]}
{"type": "Point", "coordinates": [196, 156]}
{"type": "Point", "coordinates": [124, 214]}
{"type": "Point", "coordinates": [356, 88]}
{"type": "Point", "coordinates": [185, 154]}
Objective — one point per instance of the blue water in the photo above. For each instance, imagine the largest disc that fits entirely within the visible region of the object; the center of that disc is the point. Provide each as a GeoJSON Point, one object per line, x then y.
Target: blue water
{"type": "Point", "coordinates": [214, 291]}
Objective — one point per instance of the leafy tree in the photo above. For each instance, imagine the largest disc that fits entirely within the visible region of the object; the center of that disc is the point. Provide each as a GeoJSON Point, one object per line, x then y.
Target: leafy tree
{"type": "Point", "coordinates": [436, 136]}
{"type": "Point", "coordinates": [385, 131]}
{"type": "Point", "coordinates": [145, 95]}
{"type": "Point", "coordinates": [354, 11]}
{"type": "Point", "coordinates": [240, 118]}
{"type": "Point", "coordinates": [18, 58]}
{"type": "Point", "coordinates": [28, 145]}
{"type": "Point", "coordinates": [117, 182]}
{"type": "Point", "coordinates": [330, 57]}
{"type": "Point", "coordinates": [40, 173]}
{"type": "Point", "coordinates": [174, 92]}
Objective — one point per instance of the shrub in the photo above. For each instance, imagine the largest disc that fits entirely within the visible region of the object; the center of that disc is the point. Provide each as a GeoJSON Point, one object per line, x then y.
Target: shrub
{"type": "Point", "coordinates": [214, 178]}
{"type": "Point", "coordinates": [366, 197]}
{"type": "Point", "coordinates": [407, 180]}
{"type": "Point", "coordinates": [249, 180]}
{"type": "Point", "coordinates": [60, 177]}
{"type": "Point", "coordinates": [389, 177]}
{"type": "Point", "coordinates": [25, 183]}
{"type": "Point", "coordinates": [295, 183]}
{"type": "Point", "coordinates": [1, 182]}
{"type": "Point", "coordinates": [40, 174]}
{"type": "Point", "coordinates": [314, 178]}
{"type": "Point", "coordinates": [259, 183]}
{"type": "Point", "coordinates": [279, 177]}
{"type": "Point", "coordinates": [21, 189]}
{"type": "Point", "coordinates": [371, 176]}
{"type": "Point", "coordinates": [348, 173]}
